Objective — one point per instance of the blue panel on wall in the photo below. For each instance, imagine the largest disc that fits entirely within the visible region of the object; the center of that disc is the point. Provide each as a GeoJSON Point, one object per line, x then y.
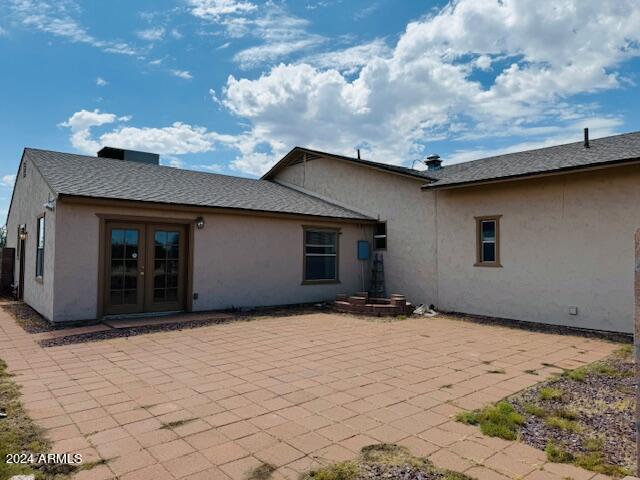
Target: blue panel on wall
{"type": "Point", "coordinates": [363, 250]}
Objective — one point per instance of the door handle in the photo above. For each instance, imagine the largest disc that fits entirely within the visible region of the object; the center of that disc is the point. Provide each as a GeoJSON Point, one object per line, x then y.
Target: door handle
{"type": "Point", "coordinates": [142, 273]}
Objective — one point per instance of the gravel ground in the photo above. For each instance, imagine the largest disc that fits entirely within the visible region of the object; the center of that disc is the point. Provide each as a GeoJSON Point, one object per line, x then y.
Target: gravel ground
{"type": "Point", "coordinates": [27, 317]}
{"type": "Point", "coordinates": [245, 316]}
{"type": "Point", "coordinates": [604, 404]}
{"type": "Point", "coordinates": [541, 327]}
{"type": "Point", "coordinates": [370, 471]}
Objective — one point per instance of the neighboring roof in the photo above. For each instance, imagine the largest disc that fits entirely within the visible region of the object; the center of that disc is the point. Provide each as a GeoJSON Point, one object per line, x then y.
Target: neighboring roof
{"type": "Point", "coordinates": [607, 151]}
{"type": "Point", "coordinates": [297, 153]}
{"type": "Point", "coordinates": [94, 177]}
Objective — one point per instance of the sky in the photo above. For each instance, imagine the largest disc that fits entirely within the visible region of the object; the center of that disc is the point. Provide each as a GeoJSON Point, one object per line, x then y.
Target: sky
{"type": "Point", "coordinates": [230, 86]}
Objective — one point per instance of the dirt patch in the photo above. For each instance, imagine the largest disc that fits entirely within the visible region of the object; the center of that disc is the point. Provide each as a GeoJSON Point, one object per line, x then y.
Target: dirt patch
{"type": "Point", "coordinates": [25, 316]}
{"type": "Point", "coordinates": [18, 433]}
{"type": "Point", "coordinates": [584, 416]}
{"type": "Point", "coordinates": [384, 461]}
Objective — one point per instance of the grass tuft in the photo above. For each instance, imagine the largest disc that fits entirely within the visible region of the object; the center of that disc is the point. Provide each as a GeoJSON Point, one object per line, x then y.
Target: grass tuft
{"type": "Point", "coordinates": [500, 420]}
{"type": "Point", "coordinates": [337, 471]}
{"type": "Point", "coordinates": [535, 410]}
{"type": "Point", "coordinates": [557, 454]}
{"type": "Point", "coordinates": [261, 472]}
{"type": "Point", "coordinates": [579, 374]}
{"type": "Point", "coordinates": [550, 393]}
{"type": "Point", "coordinates": [497, 370]}
{"type": "Point", "coordinates": [562, 424]}
{"type": "Point", "coordinates": [468, 418]}
{"type": "Point", "coordinates": [384, 456]}
{"type": "Point", "coordinates": [18, 433]}
{"type": "Point", "coordinates": [177, 423]}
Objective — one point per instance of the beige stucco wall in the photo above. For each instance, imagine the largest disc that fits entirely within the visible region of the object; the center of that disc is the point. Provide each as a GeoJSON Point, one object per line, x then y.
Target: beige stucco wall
{"type": "Point", "coordinates": [565, 241]}
{"type": "Point", "coordinates": [239, 261]}
{"type": "Point", "coordinates": [29, 196]}
{"type": "Point", "coordinates": [410, 266]}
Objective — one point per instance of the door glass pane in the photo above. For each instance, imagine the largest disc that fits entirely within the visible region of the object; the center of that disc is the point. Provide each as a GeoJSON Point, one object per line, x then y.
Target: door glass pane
{"type": "Point", "coordinates": [117, 244]}
{"type": "Point", "coordinates": [172, 295]}
{"type": "Point", "coordinates": [130, 297]}
{"type": "Point", "coordinates": [123, 276]}
{"type": "Point", "coordinates": [166, 265]}
{"type": "Point", "coordinates": [131, 244]}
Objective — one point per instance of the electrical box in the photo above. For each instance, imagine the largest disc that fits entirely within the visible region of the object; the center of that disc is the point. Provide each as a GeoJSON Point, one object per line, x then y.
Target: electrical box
{"type": "Point", "coordinates": [364, 250]}
{"type": "Point", "coordinates": [573, 310]}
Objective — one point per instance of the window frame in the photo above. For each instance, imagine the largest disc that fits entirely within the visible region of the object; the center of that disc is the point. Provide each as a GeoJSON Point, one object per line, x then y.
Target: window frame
{"type": "Point", "coordinates": [40, 273]}
{"type": "Point", "coordinates": [385, 236]}
{"type": "Point", "coordinates": [313, 228]}
{"type": "Point", "coordinates": [479, 241]}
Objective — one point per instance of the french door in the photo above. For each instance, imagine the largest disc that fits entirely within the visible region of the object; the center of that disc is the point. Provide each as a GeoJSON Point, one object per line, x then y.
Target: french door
{"type": "Point", "coordinates": [145, 268]}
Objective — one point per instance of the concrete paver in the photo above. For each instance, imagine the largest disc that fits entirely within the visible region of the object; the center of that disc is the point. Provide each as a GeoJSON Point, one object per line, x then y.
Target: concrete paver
{"type": "Point", "coordinates": [296, 392]}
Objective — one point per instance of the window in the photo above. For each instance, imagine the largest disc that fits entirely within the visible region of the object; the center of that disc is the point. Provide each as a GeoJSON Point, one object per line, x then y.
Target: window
{"type": "Point", "coordinates": [40, 248]}
{"type": "Point", "coordinates": [488, 239]}
{"type": "Point", "coordinates": [320, 255]}
{"type": "Point", "coordinates": [380, 236]}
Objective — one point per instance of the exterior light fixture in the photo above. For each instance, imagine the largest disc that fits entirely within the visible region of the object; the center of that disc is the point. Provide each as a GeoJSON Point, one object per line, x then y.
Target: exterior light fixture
{"type": "Point", "coordinates": [22, 232]}
{"type": "Point", "coordinates": [199, 223]}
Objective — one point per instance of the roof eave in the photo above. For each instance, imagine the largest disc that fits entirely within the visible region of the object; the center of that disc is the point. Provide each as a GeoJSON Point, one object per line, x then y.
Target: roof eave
{"type": "Point", "coordinates": [92, 200]}
{"type": "Point", "coordinates": [532, 175]}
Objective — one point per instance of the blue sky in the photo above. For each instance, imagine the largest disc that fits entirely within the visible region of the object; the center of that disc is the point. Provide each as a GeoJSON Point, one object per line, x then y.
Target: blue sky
{"type": "Point", "coordinates": [229, 86]}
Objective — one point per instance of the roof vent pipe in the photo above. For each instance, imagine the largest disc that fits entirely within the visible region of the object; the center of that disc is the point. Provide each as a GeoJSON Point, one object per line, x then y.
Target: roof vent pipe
{"type": "Point", "coordinates": [433, 162]}
{"type": "Point", "coordinates": [586, 138]}
{"type": "Point", "coordinates": [358, 154]}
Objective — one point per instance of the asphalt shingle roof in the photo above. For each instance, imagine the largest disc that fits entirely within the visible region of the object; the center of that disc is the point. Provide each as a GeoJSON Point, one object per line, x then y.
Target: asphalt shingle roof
{"type": "Point", "coordinates": [602, 151]}
{"type": "Point", "coordinates": [85, 176]}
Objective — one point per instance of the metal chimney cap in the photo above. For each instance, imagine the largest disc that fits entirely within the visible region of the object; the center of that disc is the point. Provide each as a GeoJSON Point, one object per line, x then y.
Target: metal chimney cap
{"type": "Point", "coordinates": [433, 156]}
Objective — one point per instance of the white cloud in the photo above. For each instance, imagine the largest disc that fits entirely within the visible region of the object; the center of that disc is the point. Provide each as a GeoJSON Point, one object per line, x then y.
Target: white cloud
{"type": "Point", "coordinates": [279, 33]}
{"type": "Point", "coordinates": [351, 58]}
{"type": "Point", "coordinates": [176, 139]}
{"type": "Point", "coordinates": [598, 127]}
{"type": "Point", "coordinates": [3, 31]}
{"type": "Point", "coordinates": [80, 124]}
{"type": "Point", "coordinates": [422, 89]}
{"type": "Point", "coordinates": [7, 180]}
{"type": "Point", "coordinates": [211, 168]}
{"type": "Point", "coordinates": [151, 34]}
{"type": "Point", "coordinates": [101, 82]}
{"type": "Point", "coordinates": [54, 18]}
{"type": "Point", "coordinates": [214, 10]}
{"type": "Point", "coordinates": [223, 46]}
{"type": "Point", "coordinates": [184, 74]}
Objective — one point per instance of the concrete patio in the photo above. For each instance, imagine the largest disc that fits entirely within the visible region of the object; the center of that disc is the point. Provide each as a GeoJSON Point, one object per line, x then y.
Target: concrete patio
{"type": "Point", "coordinates": [296, 392]}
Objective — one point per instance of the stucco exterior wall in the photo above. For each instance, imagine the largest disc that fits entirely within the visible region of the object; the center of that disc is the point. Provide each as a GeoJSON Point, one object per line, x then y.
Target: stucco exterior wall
{"type": "Point", "coordinates": [30, 194]}
{"type": "Point", "coordinates": [239, 261]}
{"type": "Point", "coordinates": [410, 266]}
{"type": "Point", "coordinates": [565, 241]}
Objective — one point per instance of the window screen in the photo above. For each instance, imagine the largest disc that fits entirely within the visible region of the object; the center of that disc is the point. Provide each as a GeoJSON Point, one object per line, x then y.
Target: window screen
{"type": "Point", "coordinates": [320, 255]}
